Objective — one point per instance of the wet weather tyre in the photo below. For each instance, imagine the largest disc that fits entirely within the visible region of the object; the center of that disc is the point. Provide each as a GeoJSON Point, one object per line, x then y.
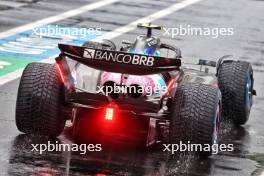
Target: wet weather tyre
{"type": "Point", "coordinates": [195, 117]}
{"type": "Point", "coordinates": [235, 79]}
{"type": "Point", "coordinates": [39, 101]}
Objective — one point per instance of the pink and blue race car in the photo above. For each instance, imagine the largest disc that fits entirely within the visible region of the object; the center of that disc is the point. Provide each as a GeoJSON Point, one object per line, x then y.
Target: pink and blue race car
{"type": "Point", "coordinates": [133, 93]}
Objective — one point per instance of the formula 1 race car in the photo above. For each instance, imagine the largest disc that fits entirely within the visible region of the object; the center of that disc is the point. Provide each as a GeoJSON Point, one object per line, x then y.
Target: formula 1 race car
{"type": "Point", "coordinates": [133, 93]}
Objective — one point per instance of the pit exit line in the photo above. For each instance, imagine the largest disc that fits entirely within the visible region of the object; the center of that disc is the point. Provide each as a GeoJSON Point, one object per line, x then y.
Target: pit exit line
{"type": "Point", "coordinates": [110, 35]}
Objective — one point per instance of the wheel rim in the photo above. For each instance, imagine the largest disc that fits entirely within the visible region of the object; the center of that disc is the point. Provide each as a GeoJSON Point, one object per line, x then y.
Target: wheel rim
{"type": "Point", "coordinates": [248, 93]}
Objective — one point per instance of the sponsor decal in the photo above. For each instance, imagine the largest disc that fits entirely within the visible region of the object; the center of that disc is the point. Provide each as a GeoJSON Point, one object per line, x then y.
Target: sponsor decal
{"type": "Point", "coordinates": [89, 53]}
{"type": "Point", "coordinates": [37, 44]}
{"type": "Point", "coordinates": [125, 58]}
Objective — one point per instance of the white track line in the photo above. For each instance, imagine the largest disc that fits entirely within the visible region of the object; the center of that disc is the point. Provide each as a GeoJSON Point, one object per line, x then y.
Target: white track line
{"type": "Point", "coordinates": [58, 17]}
{"type": "Point", "coordinates": [16, 74]}
{"type": "Point", "coordinates": [115, 33]}
{"type": "Point", "coordinates": [155, 16]}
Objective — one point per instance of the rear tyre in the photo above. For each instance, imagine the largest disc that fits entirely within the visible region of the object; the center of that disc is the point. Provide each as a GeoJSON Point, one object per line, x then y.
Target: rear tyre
{"type": "Point", "coordinates": [39, 101]}
{"type": "Point", "coordinates": [195, 118]}
{"type": "Point", "coordinates": [235, 79]}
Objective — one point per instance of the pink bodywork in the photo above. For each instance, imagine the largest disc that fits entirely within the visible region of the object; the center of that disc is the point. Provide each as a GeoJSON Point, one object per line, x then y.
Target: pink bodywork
{"type": "Point", "coordinates": [153, 82]}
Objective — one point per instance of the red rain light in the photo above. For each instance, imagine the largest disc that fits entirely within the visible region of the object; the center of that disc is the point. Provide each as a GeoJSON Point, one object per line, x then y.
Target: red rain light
{"type": "Point", "coordinates": [61, 74]}
{"type": "Point", "coordinates": [170, 86]}
{"type": "Point", "coordinates": [109, 114]}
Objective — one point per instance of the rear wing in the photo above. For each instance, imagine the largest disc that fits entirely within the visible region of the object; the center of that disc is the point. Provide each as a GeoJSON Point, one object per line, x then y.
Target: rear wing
{"type": "Point", "coordinates": [118, 61]}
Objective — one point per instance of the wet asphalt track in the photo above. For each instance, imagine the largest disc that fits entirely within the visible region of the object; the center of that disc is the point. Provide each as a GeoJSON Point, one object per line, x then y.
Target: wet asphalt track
{"type": "Point", "coordinates": [245, 16]}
